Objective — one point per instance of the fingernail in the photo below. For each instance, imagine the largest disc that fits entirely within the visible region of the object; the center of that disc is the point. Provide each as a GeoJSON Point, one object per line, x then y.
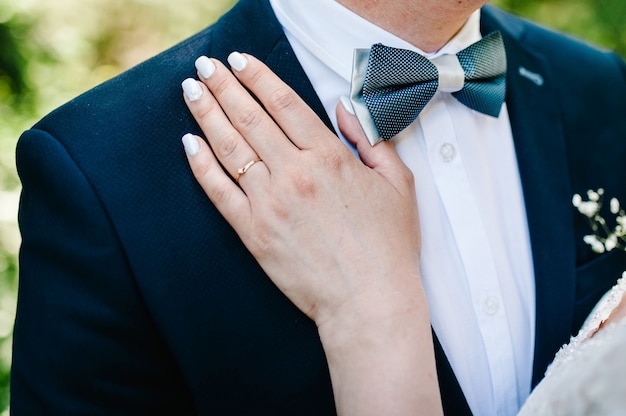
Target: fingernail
{"type": "Point", "coordinates": [345, 102]}
{"type": "Point", "coordinates": [205, 67]}
{"type": "Point", "coordinates": [237, 61]}
{"type": "Point", "coordinates": [191, 89]}
{"type": "Point", "coordinates": [191, 145]}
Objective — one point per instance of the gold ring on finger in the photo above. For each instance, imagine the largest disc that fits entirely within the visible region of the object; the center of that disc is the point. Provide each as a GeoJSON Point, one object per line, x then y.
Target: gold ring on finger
{"type": "Point", "coordinates": [244, 169]}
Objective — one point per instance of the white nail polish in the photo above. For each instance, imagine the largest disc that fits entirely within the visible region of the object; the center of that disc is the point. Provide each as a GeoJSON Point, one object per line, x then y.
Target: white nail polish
{"type": "Point", "coordinates": [237, 61]}
{"type": "Point", "coordinates": [191, 145]}
{"type": "Point", "coordinates": [345, 102]}
{"type": "Point", "coordinates": [205, 67]}
{"type": "Point", "coordinates": [191, 89]}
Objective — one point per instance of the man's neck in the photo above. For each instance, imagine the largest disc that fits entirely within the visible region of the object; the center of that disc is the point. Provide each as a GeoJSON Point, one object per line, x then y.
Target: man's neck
{"type": "Point", "coordinates": [426, 24]}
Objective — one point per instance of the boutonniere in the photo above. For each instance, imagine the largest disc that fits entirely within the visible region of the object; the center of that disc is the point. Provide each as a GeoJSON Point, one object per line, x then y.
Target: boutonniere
{"type": "Point", "coordinates": [603, 238]}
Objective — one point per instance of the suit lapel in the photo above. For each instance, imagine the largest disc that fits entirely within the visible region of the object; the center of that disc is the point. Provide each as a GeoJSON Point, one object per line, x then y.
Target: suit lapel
{"type": "Point", "coordinates": [540, 148]}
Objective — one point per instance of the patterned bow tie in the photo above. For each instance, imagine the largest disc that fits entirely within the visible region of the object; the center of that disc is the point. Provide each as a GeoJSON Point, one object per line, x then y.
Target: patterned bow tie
{"type": "Point", "coordinates": [391, 86]}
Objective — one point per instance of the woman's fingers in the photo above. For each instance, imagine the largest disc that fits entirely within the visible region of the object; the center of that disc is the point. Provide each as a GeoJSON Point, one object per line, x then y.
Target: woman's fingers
{"type": "Point", "coordinates": [300, 124]}
{"type": "Point", "coordinates": [231, 149]}
{"type": "Point", "coordinates": [244, 113]}
{"type": "Point", "coordinates": [382, 157]}
{"type": "Point", "coordinates": [241, 132]}
{"type": "Point", "coordinates": [227, 197]}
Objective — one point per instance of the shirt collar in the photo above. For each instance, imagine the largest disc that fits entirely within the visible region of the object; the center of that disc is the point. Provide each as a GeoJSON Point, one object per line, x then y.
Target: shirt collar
{"type": "Point", "coordinates": [331, 32]}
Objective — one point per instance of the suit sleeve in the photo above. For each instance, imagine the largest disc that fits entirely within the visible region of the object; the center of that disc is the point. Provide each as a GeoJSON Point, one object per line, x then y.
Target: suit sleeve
{"type": "Point", "coordinates": [84, 342]}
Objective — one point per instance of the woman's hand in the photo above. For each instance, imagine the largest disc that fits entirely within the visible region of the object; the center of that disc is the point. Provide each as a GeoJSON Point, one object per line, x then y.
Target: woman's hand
{"type": "Point", "coordinates": [340, 238]}
{"type": "Point", "coordinates": [321, 223]}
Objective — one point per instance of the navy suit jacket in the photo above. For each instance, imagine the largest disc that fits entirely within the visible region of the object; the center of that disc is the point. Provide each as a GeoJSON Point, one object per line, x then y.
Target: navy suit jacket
{"type": "Point", "coordinates": [136, 297]}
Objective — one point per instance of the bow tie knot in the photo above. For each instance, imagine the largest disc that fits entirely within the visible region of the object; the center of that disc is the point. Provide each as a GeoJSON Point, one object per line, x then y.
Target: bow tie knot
{"type": "Point", "coordinates": [391, 86]}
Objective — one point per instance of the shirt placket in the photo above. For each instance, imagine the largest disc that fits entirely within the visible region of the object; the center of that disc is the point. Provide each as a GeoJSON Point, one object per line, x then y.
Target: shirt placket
{"type": "Point", "coordinates": [462, 209]}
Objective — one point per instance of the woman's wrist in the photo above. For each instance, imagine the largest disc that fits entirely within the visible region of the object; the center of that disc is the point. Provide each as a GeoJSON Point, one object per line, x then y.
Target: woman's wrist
{"type": "Point", "coordinates": [372, 312]}
{"type": "Point", "coordinates": [380, 354]}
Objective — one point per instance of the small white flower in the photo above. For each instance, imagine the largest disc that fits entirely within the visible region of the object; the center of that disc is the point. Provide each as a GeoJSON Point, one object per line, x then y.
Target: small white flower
{"type": "Point", "coordinates": [588, 208]}
{"type": "Point", "coordinates": [593, 195]}
{"type": "Point", "coordinates": [576, 200]}
{"type": "Point", "coordinates": [621, 220]}
{"type": "Point", "coordinates": [598, 248]}
{"type": "Point", "coordinates": [614, 206]}
{"type": "Point", "coordinates": [596, 245]}
{"type": "Point", "coordinates": [611, 242]}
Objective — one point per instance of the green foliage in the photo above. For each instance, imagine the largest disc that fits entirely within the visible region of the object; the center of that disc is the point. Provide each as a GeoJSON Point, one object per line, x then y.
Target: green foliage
{"type": "Point", "coordinates": [12, 61]}
{"type": "Point", "coordinates": [52, 51]}
{"type": "Point", "coordinates": [601, 22]}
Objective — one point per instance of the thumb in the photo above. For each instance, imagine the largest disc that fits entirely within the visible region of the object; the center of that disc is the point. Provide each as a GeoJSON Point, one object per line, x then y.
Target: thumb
{"type": "Point", "coordinates": [382, 157]}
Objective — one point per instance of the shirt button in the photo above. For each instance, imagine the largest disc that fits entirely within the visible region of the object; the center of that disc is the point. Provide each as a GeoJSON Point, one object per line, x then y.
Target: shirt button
{"type": "Point", "coordinates": [447, 152]}
{"type": "Point", "coordinates": [491, 305]}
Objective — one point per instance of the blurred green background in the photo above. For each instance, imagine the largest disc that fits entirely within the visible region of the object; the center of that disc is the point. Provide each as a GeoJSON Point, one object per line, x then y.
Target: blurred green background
{"type": "Point", "coordinates": [51, 51]}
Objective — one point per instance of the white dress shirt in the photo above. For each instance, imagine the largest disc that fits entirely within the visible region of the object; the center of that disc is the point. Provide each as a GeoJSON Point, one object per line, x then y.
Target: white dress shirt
{"type": "Point", "coordinates": [476, 263]}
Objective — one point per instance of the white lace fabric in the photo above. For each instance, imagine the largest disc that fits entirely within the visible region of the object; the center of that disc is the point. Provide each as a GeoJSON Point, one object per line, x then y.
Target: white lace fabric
{"type": "Point", "coordinates": [588, 375]}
